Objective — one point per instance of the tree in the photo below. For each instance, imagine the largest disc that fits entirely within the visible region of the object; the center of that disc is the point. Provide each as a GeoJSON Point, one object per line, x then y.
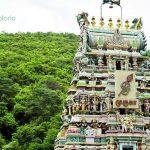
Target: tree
{"type": "Point", "coordinates": [35, 71]}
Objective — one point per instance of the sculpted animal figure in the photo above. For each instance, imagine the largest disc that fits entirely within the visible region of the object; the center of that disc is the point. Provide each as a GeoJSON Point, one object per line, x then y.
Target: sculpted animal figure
{"type": "Point", "coordinates": [137, 24]}
{"type": "Point", "coordinates": [83, 19]}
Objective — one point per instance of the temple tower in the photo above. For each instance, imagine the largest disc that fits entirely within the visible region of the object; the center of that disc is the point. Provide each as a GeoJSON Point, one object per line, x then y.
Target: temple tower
{"type": "Point", "coordinates": [108, 103]}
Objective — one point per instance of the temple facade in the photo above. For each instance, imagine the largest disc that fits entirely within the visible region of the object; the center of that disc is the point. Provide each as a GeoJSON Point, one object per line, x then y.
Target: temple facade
{"type": "Point", "coordinates": [108, 103]}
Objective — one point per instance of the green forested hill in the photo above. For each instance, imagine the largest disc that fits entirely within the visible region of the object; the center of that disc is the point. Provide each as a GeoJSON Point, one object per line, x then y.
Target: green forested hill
{"type": "Point", "coordinates": [35, 72]}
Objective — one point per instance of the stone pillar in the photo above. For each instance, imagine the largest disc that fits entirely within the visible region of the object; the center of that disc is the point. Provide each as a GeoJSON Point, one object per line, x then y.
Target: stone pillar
{"type": "Point", "coordinates": [83, 104]}
{"type": "Point", "coordinates": [74, 108]}
{"type": "Point", "coordinates": [101, 106]}
{"type": "Point", "coordinates": [109, 62]}
{"type": "Point", "coordinates": [126, 66]}
{"type": "Point", "coordinates": [69, 107]}
{"type": "Point", "coordinates": [107, 102]}
{"type": "Point", "coordinates": [77, 106]}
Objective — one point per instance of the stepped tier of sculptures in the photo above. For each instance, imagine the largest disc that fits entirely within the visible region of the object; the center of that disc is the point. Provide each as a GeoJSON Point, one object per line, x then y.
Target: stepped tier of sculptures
{"type": "Point", "coordinates": [108, 102]}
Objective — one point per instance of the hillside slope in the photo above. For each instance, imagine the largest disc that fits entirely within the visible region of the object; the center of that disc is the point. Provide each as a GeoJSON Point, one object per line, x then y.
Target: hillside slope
{"type": "Point", "coordinates": [35, 72]}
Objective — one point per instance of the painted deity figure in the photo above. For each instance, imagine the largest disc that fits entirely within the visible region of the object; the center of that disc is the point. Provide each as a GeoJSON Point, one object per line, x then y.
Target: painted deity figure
{"type": "Point", "coordinates": [94, 105]}
{"type": "Point", "coordinates": [108, 103]}
{"type": "Point", "coordinates": [148, 132]}
{"type": "Point", "coordinates": [62, 133]}
{"type": "Point", "coordinates": [74, 108]}
{"type": "Point", "coordinates": [104, 106]}
{"type": "Point", "coordinates": [64, 112]}
{"type": "Point", "coordinates": [143, 146]}
{"type": "Point", "coordinates": [88, 106]}
{"type": "Point", "coordinates": [127, 124]}
{"type": "Point", "coordinates": [89, 131]}
{"type": "Point", "coordinates": [98, 131]}
{"type": "Point", "coordinates": [147, 106]}
{"type": "Point", "coordinates": [100, 62]}
{"type": "Point", "coordinates": [111, 144]}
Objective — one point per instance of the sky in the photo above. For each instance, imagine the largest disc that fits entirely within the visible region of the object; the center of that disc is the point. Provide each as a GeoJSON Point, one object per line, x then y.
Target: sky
{"type": "Point", "coordinates": [60, 15]}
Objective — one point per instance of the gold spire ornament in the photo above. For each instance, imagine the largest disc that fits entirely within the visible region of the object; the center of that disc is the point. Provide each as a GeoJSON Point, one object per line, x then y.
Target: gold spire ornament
{"type": "Point", "coordinates": [93, 21]}
{"type": "Point", "coordinates": [127, 25]}
{"type": "Point", "coordinates": [110, 23]}
{"type": "Point", "coordinates": [119, 23]}
{"type": "Point", "coordinates": [102, 22]}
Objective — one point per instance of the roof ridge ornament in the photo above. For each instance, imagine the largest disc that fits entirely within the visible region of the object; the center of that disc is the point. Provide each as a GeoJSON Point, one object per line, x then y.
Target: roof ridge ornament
{"type": "Point", "coordinates": [116, 2]}
{"type": "Point", "coordinates": [111, 2]}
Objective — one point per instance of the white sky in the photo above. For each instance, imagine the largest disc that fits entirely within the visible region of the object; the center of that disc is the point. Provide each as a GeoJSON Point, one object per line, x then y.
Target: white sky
{"type": "Point", "coordinates": [60, 15]}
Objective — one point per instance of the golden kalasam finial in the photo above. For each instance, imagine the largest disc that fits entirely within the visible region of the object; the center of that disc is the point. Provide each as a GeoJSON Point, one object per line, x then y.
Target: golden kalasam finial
{"type": "Point", "coordinates": [93, 21]}
{"type": "Point", "coordinates": [110, 23]}
{"type": "Point", "coordinates": [102, 22]}
{"type": "Point", "coordinates": [119, 23]}
{"type": "Point", "coordinates": [127, 25]}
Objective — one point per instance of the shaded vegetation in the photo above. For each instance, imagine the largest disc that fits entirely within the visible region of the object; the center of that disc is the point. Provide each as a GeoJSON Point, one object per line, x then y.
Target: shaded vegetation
{"type": "Point", "coordinates": [35, 72]}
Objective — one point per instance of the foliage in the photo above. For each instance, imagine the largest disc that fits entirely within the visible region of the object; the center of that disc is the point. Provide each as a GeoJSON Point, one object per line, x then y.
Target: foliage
{"type": "Point", "coordinates": [35, 71]}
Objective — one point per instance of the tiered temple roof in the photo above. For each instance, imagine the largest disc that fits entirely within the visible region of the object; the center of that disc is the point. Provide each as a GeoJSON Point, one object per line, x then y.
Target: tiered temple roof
{"type": "Point", "coordinates": [108, 103]}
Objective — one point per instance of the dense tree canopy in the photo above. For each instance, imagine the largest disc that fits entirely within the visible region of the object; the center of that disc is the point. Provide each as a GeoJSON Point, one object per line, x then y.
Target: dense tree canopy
{"type": "Point", "coordinates": [35, 71]}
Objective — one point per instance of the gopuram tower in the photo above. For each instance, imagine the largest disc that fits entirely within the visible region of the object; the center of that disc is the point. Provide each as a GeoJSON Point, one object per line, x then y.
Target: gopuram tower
{"type": "Point", "coordinates": [108, 103]}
